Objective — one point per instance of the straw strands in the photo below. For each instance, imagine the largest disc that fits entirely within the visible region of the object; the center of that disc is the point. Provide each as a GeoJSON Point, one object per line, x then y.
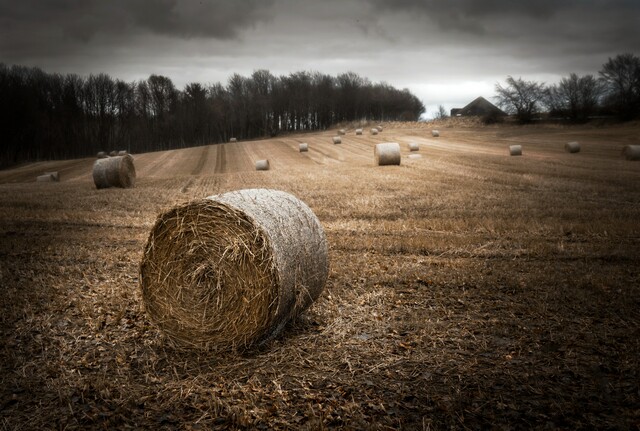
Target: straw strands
{"type": "Point", "coordinates": [515, 150]}
{"type": "Point", "coordinates": [337, 140]}
{"type": "Point", "coordinates": [262, 165]}
{"type": "Point", "coordinates": [229, 271]}
{"type": "Point", "coordinates": [303, 147]}
{"type": "Point", "coordinates": [631, 152]}
{"type": "Point", "coordinates": [387, 153]}
{"type": "Point", "coordinates": [572, 147]}
{"type": "Point", "coordinates": [118, 171]}
{"type": "Point", "coordinates": [413, 146]}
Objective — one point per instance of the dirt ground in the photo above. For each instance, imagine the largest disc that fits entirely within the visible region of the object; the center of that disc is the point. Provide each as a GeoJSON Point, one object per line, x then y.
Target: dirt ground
{"type": "Point", "coordinates": [468, 289]}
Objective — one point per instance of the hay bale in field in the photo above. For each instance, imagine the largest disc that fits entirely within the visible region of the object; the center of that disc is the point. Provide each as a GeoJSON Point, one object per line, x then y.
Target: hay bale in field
{"type": "Point", "coordinates": [304, 147]}
{"type": "Point", "coordinates": [55, 176]}
{"type": "Point", "coordinates": [337, 140]}
{"type": "Point", "coordinates": [387, 153]}
{"type": "Point", "coordinates": [113, 153]}
{"type": "Point", "coordinates": [631, 152]}
{"type": "Point", "coordinates": [413, 146]}
{"type": "Point", "coordinates": [415, 156]}
{"type": "Point", "coordinates": [342, 132]}
{"type": "Point", "coordinates": [374, 131]}
{"type": "Point", "coordinates": [118, 171]}
{"type": "Point", "coordinates": [515, 150]}
{"type": "Point", "coordinates": [122, 153]}
{"type": "Point", "coordinates": [572, 147]}
{"type": "Point", "coordinates": [229, 271]}
{"type": "Point", "coordinates": [262, 165]}
{"type": "Point", "coordinates": [233, 140]}
{"type": "Point", "coordinates": [358, 131]}
{"type": "Point", "coordinates": [435, 133]}
{"type": "Point", "coordinates": [379, 127]}
{"type": "Point", "coordinates": [45, 178]}
{"type": "Point", "coordinates": [102, 155]}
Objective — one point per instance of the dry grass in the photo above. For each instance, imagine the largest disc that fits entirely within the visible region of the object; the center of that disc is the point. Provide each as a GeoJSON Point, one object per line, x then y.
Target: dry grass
{"type": "Point", "coordinates": [468, 289]}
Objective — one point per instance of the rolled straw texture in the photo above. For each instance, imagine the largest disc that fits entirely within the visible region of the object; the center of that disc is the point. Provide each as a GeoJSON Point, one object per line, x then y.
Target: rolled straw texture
{"type": "Point", "coordinates": [572, 147]}
{"type": "Point", "coordinates": [387, 153]}
{"type": "Point", "coordinates": [337, 140]}
{"type": "Point", "coordinates": [413, 146]}
{"type": "Point", "coordinates": [229, 271]}
{"type": "Point", "coordinates": [435, 133]}
{"type": "Point", "coordinates": [374, 131]}
{"type": "Point", "coordinates": [631, 152]}
{"type": "Point", "coordinates": [262, 165]}
{"type": "Point", "coordinates": [118, 171]}
{"type": "Point", "coordinates": [515, 150]}
{"type": "Point", "coordinates": [304, 147]}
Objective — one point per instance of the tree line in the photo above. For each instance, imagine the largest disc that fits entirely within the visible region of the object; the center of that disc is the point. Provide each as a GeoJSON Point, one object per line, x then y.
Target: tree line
{"type": "Point", "coordinates": [56, 116]}
{"type": "Point", "coordinates": [615, 92]}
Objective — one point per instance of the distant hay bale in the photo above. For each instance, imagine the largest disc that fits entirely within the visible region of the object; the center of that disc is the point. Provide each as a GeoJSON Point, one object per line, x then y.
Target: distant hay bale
{"type": "Point", "coordinates": [113, 153]}
{"type": "Point", "coordinates": [387, 153]}
{"type": "Point", "coordinates": [435, 133]}
{"type": "Point", "coordinates": [374, 131]}
{"type": "Point", "coordinates": [122, 153]}
{"type": "Point", "coordinates": [233, 140]}
{"type": "Point", "coordinates": [45, 178]}
{"type": "Point", "coordinates": [413, 146]}
{"type": "Point", "coordinates": [415, 156]}
{"type": "Point", "coordinates": [337, 140]}
{"type": "Point", "coordinates": [304, 147]}
{"type": "Point", "coordinates": [229, 271]}
{"type": "Point", "coordinates": [118, 171]}
{"type": "Point", "coordinates": [379, 127]}
{"type": "Point", "coordinates": [55, 176]}
{"type": "Point", "coordinates": [572, 147]}
{"type": "Point", "coordinates": [631, 152]}
{"type": "Point", "coordinates": [515, 150]}
{"type": "Point", "coordinates": [102, 155]}
{"type": "Point", "coordinates": [342, 132]}
{"type": "Point", "coordinates": [358, 131]}
{"type": "Point", "coordinates": [262, 165]}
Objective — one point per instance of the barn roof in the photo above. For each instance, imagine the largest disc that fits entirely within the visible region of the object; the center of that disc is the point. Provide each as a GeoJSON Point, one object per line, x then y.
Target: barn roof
{"type": "Point", "coordinates": [479, 107]}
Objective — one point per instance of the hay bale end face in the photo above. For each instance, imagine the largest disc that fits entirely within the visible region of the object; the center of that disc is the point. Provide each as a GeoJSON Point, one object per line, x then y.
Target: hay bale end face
{"type": "Point", "coordinates": [387, 153]}
{"type": "Point", "coordinates": [337, 140]}
{"type": "Point", "coordinates": [435, 133]}
{"type": "Point", "coordinates": [113, 153]}
{"type": "Point", "coordinates": [374, 131]}
{"type": "Point", "coordinates": [572, 147]}
{"type": "Point", "coordinates": [304, 147]}
{"type": "Point", "coordinates": [358, 131]}
{"type": "Point", "coordinates": [631, 152]}
{"type": "Point", "coordinates": [55, 176]}
{"type": "Point", "coordinates": [413, 146]}
{"type": "Point", "coordinates": [515, 150]}
{"type": "Point", "coordinates": [118, 171]}
{"type": "Point", "coordinates": [229, 271]}
{"type": "Point", "coordinates": [262, 165]}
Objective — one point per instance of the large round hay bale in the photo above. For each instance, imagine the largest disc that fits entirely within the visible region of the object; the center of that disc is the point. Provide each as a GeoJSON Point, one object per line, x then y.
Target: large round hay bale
{"type": "Point", "coordinates": [572, 147]}
{"type": "Point", "coordinates": [435, 133]}
{"type": "Point", "coordinates": [342, 132]}
{"type": "Point", "coordinates": [631, 152]}
{"type": "Point", "coordinates": [358, 131]}
{"type": "Point", "coordinates": [337, 140]}
{"type": "Point", "coordinates": [374, 131]}
{"type": "Point", "coordinates": [118, 171]}
{"type": "Point", "coordinates": [102, 155]}
{"type": "Point", "coordinates": [387, 153]}
{"type": "Point", "coordinates": [303, 147]}
{"type": "Point", "coordinates": [229, 271]}
{"type": "Point", "coordinates": [515, 150]}
{"type": "Point", "coordinates": [262, 165]}
{"type": "Point", "coordinates": [379, 127]}
{"type": "Point", "coordinates": [122, 153]}
{"type": "Point", "coordinates": [413, 146]}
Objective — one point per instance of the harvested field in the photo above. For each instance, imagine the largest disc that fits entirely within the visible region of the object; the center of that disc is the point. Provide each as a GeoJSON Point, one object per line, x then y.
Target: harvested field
{"type": "Point", "coordinates": [467, 289]}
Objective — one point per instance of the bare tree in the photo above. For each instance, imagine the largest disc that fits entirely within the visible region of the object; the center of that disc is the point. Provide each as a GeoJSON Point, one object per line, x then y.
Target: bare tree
{"type": "Point", "coordinates": [575, 97]}
{"type": "Point", "coordinates": [621, 76]}
{"type": "Point", "coordinates": [442, 113]}
{"type": "Point", "coordinates": [519, 97]}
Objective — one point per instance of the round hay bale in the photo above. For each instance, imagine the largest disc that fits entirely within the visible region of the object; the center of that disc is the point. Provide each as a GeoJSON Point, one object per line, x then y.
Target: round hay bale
{"type": "Point", "coordinates": [102, 155]}
{"type": "Point", "coordinates": [55, 176]}
{"type": "Point", "coordinates": [45, 178]}
{"type": "Point", "coordinates": [262, 165]}
{"type": "Point", "coordinates": [515, 150]}
{"type": "Point", "coordinates": [233, 140]}
{"type": "Point", "coordinates": [413, 146]}
{"type": "Point", "coordinates": [113, 153]}
{"type": "Point", "coordinates": [118, 171]}
{"type": "Point", "coordinates": [379, 127]}
{"type": "Point", "coordinates": [358, 131]}
{"type": "Point", "coordinates": [304, 147]}
{"type": "Point", "coordinates": [415, 156]}
{"type": "Point", "coordinates": [342, 132]}
{"type": "Point", "coordinates": [374, 131]}
{"type": "Point", "coordinates": [387, 153]}
{"type": "Point", "coordinates": [631, 152]}
{"type": "Point", "coordinates": [435, 133]}
{"type": "Point", "coordinates": [572, 147]}
{"type": "Point", "coordinates": [337, 140]}
{"type": "Point", "coordinates": [229, 271]}
{"type": "Point", "coordinates": [122, 153]}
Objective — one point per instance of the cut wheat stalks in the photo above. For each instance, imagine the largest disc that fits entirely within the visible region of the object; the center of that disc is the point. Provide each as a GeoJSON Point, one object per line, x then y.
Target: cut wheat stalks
{"type": "Point", "coordinates": [304, 147]}
{"type": "Point", "coordinates": [413, 146]}
{"type": "Point", "coordinates": [117, 171]}
{"type": "Point", "coordinates": [435, 133]}
{"type": "Point", "coordinates": [358, 131]}
{"type": "Point", "coordinates": [262, 165]}
{"type": "Point", "coordinates": [387, 153]}
{"type": "Point", "coordinates": [229, 271]}
{"type": "Point", "coordinates": [515, 150]}
{"type": "Point", "coordinates": [374, 131]}
{"type": "Point", "coordinates": [631, 152]}
{"type": "Point", "coordinates": [572, 147]}
{"type": "Point", "coordinates": [337, 140]}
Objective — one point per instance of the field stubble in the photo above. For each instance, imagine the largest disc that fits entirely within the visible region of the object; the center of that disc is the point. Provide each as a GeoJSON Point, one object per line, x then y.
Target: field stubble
{"type": "Point", "coordinates": [467, 289]}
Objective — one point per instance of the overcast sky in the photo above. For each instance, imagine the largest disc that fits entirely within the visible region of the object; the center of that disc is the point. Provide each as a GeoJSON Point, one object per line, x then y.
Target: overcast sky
{"type": "Point", "coordinates": [445, 52]}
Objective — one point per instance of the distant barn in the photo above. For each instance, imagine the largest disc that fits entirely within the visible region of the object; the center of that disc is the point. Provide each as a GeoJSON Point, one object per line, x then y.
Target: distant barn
{"type": "Point", "coordinates": [480, 107]}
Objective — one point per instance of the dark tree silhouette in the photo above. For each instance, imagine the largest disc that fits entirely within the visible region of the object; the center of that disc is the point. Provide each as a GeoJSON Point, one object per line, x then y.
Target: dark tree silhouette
{"type": "Point", "coordinates": [519, 97]}
{"type": "Point", "coordinates": [621, 77]}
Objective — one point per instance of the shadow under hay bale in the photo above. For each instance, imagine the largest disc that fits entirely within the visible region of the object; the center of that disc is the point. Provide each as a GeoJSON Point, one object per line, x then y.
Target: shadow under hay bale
{"type": "Point", "coordinates": [337, 140]}
{"type": "Point", "coordinates": [515, 150]}
{"type": "Point", "coordinates": [631, 152]}
{"type": "Point", "coordinates": [572, 147]}
{"type": "Point", "coordinates": [435, 133]}
{"type": "Point", "coordinates": [118, 171]}
{"type": "Point", "coordinates": [413, 146]}
{"type": "Point", "coordinates": [229, 271]}
{"type": "Point", "coordinates": [304, 147]}
{"type": "Point", "coordinates": [262, 165]}
{"type": "Point", "coordinates": [387, 153]}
